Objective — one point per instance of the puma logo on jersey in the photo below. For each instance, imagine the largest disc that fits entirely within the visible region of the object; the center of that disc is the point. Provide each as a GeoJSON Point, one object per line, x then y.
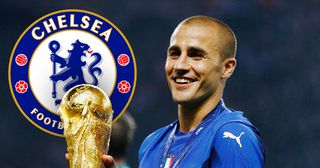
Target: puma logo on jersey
{"type": "Point", "coordinates": [230, 135]}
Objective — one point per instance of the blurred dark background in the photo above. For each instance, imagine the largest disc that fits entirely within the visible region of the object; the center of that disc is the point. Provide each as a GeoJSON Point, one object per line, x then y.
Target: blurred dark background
{"type": "Point", "coordinates": [276, 82]}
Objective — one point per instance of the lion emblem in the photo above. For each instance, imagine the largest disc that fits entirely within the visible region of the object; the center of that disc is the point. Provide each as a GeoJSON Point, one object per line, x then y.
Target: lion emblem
{"type": "Point", "coordinates": [72, 66]}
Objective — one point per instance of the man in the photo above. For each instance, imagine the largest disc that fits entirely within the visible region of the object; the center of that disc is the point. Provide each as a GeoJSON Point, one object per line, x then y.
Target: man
{"type": "Point", "coordinates": [200, 59]}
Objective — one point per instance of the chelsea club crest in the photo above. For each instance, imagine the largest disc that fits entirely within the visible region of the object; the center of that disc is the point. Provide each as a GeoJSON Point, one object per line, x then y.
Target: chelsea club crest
{"type": "Point", "coordinates": [61, 50]}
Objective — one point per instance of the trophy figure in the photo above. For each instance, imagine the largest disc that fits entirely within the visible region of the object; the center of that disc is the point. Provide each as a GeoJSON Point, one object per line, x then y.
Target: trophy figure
{"type": "Point", "coordinates": [86, 113]}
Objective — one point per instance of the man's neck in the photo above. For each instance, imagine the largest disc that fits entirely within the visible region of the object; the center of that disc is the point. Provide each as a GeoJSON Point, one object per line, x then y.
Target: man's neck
{"type": "Point", "coordinates": [190, 116]}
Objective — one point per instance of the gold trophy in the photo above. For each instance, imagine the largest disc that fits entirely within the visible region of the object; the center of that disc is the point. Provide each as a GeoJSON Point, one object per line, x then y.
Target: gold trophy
{"type": "Point", "coordinates": [86, 113]}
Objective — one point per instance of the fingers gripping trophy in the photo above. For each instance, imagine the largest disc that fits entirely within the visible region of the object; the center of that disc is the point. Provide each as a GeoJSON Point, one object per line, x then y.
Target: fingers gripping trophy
{"type": "Point", "coordinates": [86, 113]}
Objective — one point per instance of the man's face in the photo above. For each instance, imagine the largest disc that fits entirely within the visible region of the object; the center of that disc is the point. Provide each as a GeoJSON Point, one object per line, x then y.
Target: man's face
{"type": "Point", "coordinates": [193, 66]}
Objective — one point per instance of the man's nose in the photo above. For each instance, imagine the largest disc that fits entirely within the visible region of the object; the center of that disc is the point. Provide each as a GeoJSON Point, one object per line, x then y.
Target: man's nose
{"type": "Point", "coordinates": [182, 63]}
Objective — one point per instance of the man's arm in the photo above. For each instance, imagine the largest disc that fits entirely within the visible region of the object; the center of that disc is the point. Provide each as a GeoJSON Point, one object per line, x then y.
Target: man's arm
{"type": "Point", "coordinates": [238, 145]}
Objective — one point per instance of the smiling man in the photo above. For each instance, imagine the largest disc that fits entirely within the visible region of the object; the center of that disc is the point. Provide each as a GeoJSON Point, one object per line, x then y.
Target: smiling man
{"type": "Point", "coordinates": [200, 59]}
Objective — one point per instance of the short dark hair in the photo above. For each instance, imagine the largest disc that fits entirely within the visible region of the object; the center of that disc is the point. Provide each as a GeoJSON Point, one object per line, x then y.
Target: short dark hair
{"type": "Point", "coordinates": [229, 48]}
{"type": "Point", "coordinates": [121, 135]}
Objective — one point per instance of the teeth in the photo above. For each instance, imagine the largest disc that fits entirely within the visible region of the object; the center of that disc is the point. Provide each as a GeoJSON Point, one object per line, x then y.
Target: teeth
{"type": "Point", "coordinates": [182, 80]}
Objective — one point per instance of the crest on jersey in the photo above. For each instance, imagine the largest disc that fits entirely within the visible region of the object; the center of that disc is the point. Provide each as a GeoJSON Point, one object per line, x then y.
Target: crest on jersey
{"type": "Point", "coordinates": [64, 49]}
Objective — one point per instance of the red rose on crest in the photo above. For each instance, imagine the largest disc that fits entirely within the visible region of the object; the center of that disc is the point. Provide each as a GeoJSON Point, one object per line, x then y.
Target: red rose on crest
{"type": "Point", "coordinates": [21, 86]}
{"type": "Point", "coordinates": [124, 86]}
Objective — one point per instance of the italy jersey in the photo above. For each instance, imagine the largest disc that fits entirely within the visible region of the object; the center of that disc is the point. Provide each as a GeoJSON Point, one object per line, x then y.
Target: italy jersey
{"type": "Point", "coordinates": [224, 139]}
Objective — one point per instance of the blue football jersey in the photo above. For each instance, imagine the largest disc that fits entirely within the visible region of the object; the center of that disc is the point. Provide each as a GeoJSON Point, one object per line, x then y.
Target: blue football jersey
{"type": "Point", "coordinates": [224, 139]}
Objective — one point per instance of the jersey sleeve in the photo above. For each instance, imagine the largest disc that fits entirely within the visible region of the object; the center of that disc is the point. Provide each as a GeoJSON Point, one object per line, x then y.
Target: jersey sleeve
{"type": "Point", "coordinates": [238, 146]}
{"type": "Point", "coordinates": [148, 141]}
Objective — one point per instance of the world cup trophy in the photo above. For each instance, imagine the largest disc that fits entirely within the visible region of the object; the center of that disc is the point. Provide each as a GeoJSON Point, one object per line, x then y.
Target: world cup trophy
{"type": "Point", "coordinates": [86, 113]}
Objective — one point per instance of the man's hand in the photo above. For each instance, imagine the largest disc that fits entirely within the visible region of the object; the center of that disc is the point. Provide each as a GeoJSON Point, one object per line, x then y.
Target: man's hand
{"type": "Point", "coordinates": [107, 160]}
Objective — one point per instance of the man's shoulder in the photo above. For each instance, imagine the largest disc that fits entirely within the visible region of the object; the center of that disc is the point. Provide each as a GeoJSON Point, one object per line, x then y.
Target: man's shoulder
{"type": "Point", "coordinates": [238, 141]}
{"type": "Point", "coordinates": [232, 125]}
{"type": "Point", "coordinates": [231, 115]}
{"type": "Point", "coordinates": [228, 116]}
{"type": "Point", "coordinates": [155, 137]}
{"type": "Point", "coordinates": [156, 134]}
{"type": "Point", "coordinates": [239, 131]}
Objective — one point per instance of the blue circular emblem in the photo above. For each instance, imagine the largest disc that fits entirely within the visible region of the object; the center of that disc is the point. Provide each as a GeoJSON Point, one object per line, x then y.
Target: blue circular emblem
{"type": "Point", "coordinates": [61, 50]}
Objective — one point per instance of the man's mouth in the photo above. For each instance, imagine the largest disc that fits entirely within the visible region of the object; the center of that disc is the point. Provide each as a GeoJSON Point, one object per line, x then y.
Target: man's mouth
{"type": "Point", "coordinates": [183, 80]}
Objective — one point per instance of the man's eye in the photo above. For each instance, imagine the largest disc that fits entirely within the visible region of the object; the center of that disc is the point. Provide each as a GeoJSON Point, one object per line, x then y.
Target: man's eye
{"type": "Point", "coordinates": [196, 55]}
{"type": "Point", "coordinates": [174, 53]}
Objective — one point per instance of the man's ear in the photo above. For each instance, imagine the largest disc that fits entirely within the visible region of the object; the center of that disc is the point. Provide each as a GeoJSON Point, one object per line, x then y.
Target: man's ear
{"type": "Point", "coordinates": [228, 66]}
